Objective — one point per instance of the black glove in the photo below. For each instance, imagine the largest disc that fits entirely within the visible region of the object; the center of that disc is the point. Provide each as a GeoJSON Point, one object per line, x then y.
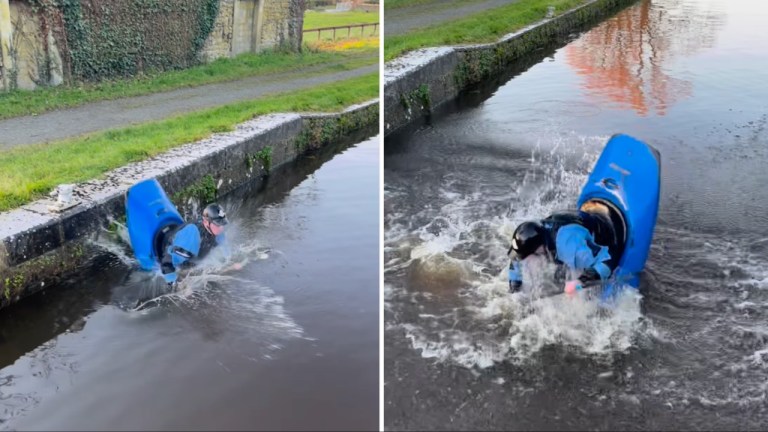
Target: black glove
{"type": "Point", "coordinates": [589, 275]}
{"type": "Point", "coordinates": [560, 273]}
{"type": "Point", "coordinates": [514, 286]}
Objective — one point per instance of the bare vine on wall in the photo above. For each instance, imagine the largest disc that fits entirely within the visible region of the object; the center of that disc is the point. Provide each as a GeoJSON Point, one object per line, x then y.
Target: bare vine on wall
{"type": "Point", "coordinates": [13, 53]}
{"type": "Point", "coordinates": [35, 45]}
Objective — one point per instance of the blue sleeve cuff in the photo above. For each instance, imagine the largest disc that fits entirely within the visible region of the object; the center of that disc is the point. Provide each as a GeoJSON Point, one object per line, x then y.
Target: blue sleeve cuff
{"type": "Point", "coordinates": [603, 270]}
{"type": "Point", "coordinates": [170, 277]}
{"type": "Point", "coordinates": [515, 275]}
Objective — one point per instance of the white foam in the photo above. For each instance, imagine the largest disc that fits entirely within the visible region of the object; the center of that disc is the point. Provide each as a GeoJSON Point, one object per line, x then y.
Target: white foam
{"type": "Point", "coordinates": [462, 245]}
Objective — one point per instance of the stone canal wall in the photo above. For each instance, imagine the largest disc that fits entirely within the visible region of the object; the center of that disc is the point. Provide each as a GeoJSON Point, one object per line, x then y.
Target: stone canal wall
{"type": "Point", "coordinates": [39, 248]}
{"type": "Point", "coordinates": [419, 81]}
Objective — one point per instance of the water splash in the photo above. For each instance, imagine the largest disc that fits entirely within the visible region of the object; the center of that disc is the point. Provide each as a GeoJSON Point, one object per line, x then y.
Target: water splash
{"type": "Point", "coordinates": [450, 259]}
{"type": "Point", "coordinates": [115, 241]}
{"type": "Point", "coordinates": [201, 286]}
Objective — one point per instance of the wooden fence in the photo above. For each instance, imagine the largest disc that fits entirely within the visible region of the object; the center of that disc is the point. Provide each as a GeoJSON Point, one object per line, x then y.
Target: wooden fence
{"type": "Point", "coordinates": [342, 28]}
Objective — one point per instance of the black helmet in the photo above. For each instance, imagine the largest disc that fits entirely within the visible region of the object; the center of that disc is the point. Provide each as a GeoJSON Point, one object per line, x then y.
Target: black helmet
{"type": "Point", "coordinates": [215, 214]}
{"type": "Point", "coordinates": [527, 238]}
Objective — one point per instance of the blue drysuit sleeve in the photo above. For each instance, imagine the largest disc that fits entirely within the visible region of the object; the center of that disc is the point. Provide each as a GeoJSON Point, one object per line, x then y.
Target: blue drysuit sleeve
{"type": "Point", "coordinates": [577, 249]}
{"type": "Point", "coordinates": [515, 271]}
{"type": "Point", "coordinates": [515, 274]}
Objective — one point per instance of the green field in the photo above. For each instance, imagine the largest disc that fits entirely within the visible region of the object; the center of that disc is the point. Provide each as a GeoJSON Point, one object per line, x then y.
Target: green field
{"type": "Point", "coordinates": [315, 19]}
{"type": "Point", "coordinates": [486, 26]}
{"type": "Point", "coordinates": [28, 173]}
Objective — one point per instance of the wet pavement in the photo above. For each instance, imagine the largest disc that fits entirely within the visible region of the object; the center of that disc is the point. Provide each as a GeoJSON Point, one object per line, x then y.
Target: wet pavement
{"type": "Point", "coordinates": [690, 351]}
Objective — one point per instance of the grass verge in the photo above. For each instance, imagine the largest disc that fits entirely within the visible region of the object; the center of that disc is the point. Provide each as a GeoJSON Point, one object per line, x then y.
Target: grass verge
{"type": "Point", "coordinates": [33, 171]}
{"type": "Point", "coordinates": [21, 102]}
{"type": "Point", "coordinates": [486, 26]}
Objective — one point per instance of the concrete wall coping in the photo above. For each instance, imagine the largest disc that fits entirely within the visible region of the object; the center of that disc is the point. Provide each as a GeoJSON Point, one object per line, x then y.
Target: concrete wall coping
{"type": "Point", "coordinates": [421, 57]}
{"type": "Point", "coordinates": [92, 193]}
{"type": "Point", "coordinates": [35, 216]}
{"type": "Point", "coordinates": [348, 109]}
{"type": "Point", "coordinates": [412, 61]}
{"type": "Point", "coordinates": [419, 81]}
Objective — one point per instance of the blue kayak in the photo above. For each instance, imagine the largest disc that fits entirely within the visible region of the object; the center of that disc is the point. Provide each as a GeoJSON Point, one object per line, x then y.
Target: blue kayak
{"type": "Point", "coordinates": [626, 177]}
{"type": "Point", "coordinates": [148, 210]}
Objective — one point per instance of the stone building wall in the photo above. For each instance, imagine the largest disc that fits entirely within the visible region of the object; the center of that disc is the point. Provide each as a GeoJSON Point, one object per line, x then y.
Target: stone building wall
{"type": "Point", "coordinates": [253, 26]}
{"type": "Point", "coordinates": [277, 17]}
{"type": "Point", "coordinates": [219, 42]}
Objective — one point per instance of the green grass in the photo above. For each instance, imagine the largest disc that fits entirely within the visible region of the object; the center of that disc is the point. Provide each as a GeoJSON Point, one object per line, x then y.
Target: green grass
{"type": "Point", "coordinates": [20, 102]}
{"type": "Point", "coordinates": [31, 172]}
{"type": "Point", "coordinates": [486, 26]}
{"type": "Point", "coordinates": [315, 19]}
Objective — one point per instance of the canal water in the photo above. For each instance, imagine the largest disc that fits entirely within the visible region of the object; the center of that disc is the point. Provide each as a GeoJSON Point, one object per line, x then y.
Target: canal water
{"type": "Point", "coordinates": [289, 341]}
{"type": "Point", "coordinates": [690, 350]}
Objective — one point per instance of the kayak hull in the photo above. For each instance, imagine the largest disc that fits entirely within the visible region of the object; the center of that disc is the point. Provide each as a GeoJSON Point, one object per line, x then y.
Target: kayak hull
{"type": "Point", "coordinates": [148, 210]}
{"type": "Point", "coordinates": [627, 175]}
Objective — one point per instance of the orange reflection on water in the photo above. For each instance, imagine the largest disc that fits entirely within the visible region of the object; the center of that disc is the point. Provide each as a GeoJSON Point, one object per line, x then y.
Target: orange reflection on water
{"type": "Point", "coordinates": [624, 59]}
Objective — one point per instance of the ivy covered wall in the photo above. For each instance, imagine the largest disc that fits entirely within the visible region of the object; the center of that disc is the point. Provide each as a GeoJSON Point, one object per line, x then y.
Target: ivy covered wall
{"type": "Point", "coordinates": [91, 40]}
{"type": "Point", "coordinates": [114, 38]}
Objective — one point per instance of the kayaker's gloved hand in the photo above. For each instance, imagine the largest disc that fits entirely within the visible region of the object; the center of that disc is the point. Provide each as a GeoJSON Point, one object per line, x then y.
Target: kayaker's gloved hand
{"type": "Point", "coordinates": [589, 275]}
{"type": "Point", "coordinates": [572, 286]}
{"type": "Point", "coordinates": [170, 278]}
{"type": "Point", "coordinates": [515, 276]}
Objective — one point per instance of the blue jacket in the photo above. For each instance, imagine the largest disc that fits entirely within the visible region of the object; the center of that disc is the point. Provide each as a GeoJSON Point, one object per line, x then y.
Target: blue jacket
{"type": "Point", "coordinates": [574, 246]}
{"type": "Point", "coordinates": [177, 245]}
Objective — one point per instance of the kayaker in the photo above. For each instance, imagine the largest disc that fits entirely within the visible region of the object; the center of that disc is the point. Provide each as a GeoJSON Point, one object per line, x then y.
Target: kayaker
{"type": "Point", "coordinates": [176, 245]}
{"type": "Point", "coordinates": [585, 241]}
{"type": "Point", "coordinates": [211, 225]}
{"type": "Point", "coordinates": [179, 246]}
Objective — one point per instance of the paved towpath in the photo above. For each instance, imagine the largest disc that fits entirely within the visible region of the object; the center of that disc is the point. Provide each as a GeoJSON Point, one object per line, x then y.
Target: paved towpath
{"type": "Point", "coordinates": [98, 116]}
{"type": "Point", "coordinates": [409, 18]}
